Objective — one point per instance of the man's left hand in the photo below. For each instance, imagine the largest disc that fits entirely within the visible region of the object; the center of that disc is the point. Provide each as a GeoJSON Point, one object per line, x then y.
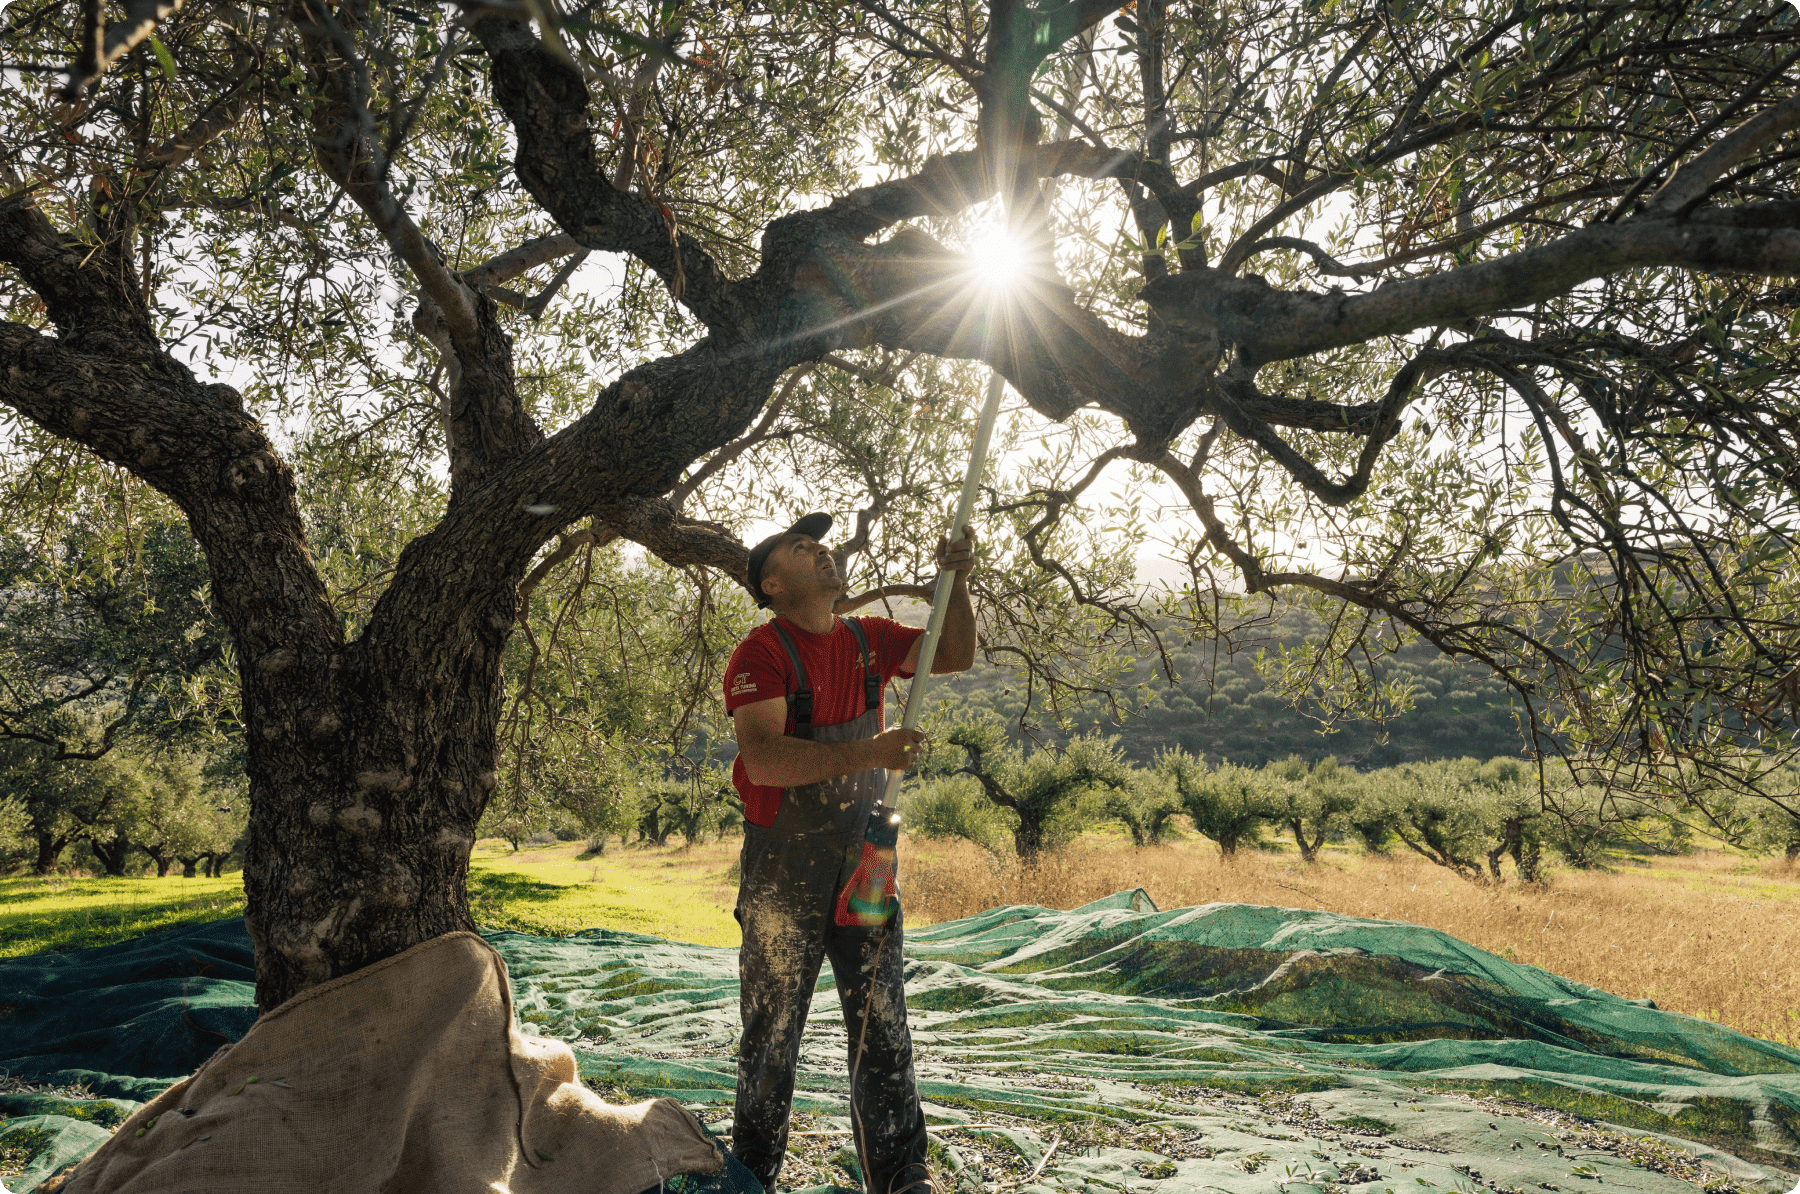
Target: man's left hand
{"type": "Point", "coordinates": [958, 556]}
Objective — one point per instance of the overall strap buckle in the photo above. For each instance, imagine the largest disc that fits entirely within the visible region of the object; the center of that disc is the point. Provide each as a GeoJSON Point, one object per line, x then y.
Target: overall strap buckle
{"type": "Point", "coordinates": [802, 698]}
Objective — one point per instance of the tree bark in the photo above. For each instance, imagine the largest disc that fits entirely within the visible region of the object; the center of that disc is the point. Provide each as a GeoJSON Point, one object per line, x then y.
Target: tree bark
{"type": "Point", "coordinates": [1028, 838]}
{"type": "Point", "coordinates": [49, 850]}
{"type": "Point", "coordinates": [1309, 851]}
{"type": "Point", "coordinates": [113, 854]}
{"type": "Point", "coordinates": [1528, 857]}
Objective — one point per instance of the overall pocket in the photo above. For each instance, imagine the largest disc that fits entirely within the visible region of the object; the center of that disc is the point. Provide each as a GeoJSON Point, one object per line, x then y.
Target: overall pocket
{"type": "Point", "coordinates": [871, 896]}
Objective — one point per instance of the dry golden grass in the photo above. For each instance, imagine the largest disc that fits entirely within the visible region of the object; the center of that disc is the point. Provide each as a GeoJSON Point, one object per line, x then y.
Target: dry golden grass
{"type": "Point", "coordinates": [1712, 935]}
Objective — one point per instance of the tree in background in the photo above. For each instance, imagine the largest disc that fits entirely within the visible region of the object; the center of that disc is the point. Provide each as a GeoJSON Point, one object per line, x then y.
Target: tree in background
{"type": "Point", "coordinates": [17, 845]}
{"type": "Point", "coordinates": [1147, 806]}
{"type": "Point", "coordinates": [1433, 810]}
{"type": "Point", "coordinates": [1228, 804]}
{"type": "Point", "coordinates": [192, 812]}
{"type": "Point", "coordinates": [613, 698]}
{"type": "Point", "coordinates": [1534, 218]}
{"type": "Point", "coordinates": [1230, 705]}
{"type": "Point", "coordinates": [104, 625]}
{"type": "Point", "coordinates": [65, 801]}
{"type": "Point", "coordinates": [1049, 795]}
{"type": "Point", "coordinates": [1518, 811]}
{"type": "Point", "coordinates": [957, 807]}
{"type": "Point", "coordinates": [1780, 833]}
{"type": "Point", "coordinates": [567, 786]}
{"type": "Point", "coordinates": [1311, 802]}
{"type": "Point", "coordinates": [169, 805]}
{"type": "Point", "coordinates": [111, 666]}
{"type": "Point", "coordinates": [695, 807]}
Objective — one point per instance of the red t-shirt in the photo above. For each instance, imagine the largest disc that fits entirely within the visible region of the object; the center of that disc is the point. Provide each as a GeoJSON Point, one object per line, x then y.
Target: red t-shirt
{"type": "Point", "coordinates": [760, 670]}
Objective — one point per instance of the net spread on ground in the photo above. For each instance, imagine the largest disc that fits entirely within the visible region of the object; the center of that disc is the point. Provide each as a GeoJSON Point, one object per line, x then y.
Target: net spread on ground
{"type": "Point", "coordinates": [1113, 1047]}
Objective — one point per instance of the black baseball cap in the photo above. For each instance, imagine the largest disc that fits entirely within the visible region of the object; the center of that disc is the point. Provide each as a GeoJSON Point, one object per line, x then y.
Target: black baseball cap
{"type": "Point", "coordinates": [813, 526]}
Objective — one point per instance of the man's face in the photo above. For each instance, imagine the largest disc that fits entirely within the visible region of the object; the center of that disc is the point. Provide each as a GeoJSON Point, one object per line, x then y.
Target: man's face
{"type": "Point", "coordinates": [801, 566]}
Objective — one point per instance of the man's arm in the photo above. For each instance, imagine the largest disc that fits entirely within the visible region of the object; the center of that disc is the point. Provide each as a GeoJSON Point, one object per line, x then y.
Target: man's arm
{"type": "Point", "coordinates": [956, 645]}
{"type": "Point", "coordinates": [774, 760]}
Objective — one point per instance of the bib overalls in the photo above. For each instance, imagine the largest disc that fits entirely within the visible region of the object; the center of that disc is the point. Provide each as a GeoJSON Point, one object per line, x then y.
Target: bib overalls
{"type": "Point", "coordinates": [792, 872]}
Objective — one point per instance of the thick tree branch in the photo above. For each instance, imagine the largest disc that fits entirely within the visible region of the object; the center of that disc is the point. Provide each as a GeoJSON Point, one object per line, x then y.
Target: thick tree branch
{"type": "Point", "coordinates": [219, 117]}
{"type": "Point", "coordinates": [597, 534]}
{"type": "Point", "coordinates": [1273, 325]}
{"type": "Point", "coordinates": [1691, 183]}
{"type": "Point", "coordinates": [1236, 399]}
{"type": "Point", "coordinates": [486, 421]}
{"type": "Point", "coordinates": [105, 383]}
{"type": "Point", "coordinates": [614, 463]}
{"type": "Point", "coordinates": [950, 183]}
{"type": "Point", "coordinates": [547, 102]}
{"type": "Point", "coordinates": [676, 539]}
{"type": "Point", "coordinates": [1328, 265]}
{"type": "Point", "coordinates": [90, 292]}
{"type": "Point", "coordinates": [506, 266]}
{"type": "Point", "coordinates": [349, 151]}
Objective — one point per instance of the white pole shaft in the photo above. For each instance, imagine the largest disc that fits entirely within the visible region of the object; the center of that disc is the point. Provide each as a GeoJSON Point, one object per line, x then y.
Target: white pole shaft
{"type": "Point", "coordinates": [940, 601]}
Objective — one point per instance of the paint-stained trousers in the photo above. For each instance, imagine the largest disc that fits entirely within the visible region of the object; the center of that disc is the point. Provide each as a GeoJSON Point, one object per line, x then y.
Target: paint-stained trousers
{"type": "Point", "coordinates": [786, 898]}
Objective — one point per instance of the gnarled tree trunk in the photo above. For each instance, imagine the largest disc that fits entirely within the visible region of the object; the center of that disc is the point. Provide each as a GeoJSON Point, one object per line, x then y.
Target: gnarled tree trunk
{"type": "Point", "coordinates": [49, 852]}
{"type": "Point", "coordinates": [369, 762]}
{"type": "Point", "coordinates": [113, 853]}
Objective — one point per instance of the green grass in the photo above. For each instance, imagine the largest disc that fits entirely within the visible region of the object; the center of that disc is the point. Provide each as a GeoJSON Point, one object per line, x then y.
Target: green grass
{"type": "Point", "coordinates": [53, 913]}
{"type": "Point", "coordinates": [685, 895]}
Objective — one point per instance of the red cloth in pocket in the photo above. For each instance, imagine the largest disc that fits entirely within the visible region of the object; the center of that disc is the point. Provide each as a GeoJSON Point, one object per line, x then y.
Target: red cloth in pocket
{"type": "Point", "coordinates": [871, 897]}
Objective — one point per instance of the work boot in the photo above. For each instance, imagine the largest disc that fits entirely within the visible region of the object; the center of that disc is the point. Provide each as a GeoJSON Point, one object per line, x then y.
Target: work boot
{"type": "Point", "coordinates": [908, 1179]}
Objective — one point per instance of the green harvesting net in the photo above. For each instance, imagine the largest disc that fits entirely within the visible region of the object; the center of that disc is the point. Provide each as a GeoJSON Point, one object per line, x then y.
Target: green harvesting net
{"type": "Point", "coordinates": [1115, 1046]}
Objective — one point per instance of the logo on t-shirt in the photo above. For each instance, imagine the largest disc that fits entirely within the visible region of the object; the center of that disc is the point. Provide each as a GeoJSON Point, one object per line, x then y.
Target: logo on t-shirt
{"type": "Point", "coordinates": [741, 684]}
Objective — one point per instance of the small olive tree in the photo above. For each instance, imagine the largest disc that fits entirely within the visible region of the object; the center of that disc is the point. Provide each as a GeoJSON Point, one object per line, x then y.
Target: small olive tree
{"type": "Point", "coordinates": [1049, 792]}
{"type": "Point", "coordinates": [1228, 804]}
{"type": "Point", "coordinates": [1311, 802]}
{"type": "Point", "coordinates": [1147, 806]}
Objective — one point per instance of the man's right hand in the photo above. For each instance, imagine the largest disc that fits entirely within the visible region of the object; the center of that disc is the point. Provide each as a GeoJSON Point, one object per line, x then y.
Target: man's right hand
{"type": "Point", "coordinates": [896, 749]}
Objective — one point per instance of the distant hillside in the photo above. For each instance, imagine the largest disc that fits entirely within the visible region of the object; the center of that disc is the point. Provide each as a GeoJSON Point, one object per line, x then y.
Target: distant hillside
{"type": "Point", "coordinates": [1223, 711]}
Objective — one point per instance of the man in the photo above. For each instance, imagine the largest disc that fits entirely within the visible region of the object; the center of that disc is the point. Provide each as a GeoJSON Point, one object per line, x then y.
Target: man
{"type": "Point", "coordinates": [804, 691]}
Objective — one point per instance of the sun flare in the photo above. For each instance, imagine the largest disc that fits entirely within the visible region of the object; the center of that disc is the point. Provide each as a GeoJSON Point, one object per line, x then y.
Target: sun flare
{"type": "Point", "coordinates": [997, 259]}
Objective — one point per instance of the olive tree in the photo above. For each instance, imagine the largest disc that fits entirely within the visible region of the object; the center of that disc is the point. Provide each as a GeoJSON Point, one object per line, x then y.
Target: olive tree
{"type": "Point", "coordinates": [1049, 795]}
{"type": "Point", "coordinates": [1470, 296]}
{"type": "Point", "coordinates": [1228, 804]}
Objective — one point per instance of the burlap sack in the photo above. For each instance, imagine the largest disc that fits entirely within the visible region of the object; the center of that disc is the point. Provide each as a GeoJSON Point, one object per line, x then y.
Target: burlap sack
{"type": "Point", "coordinates": [408, 1075]}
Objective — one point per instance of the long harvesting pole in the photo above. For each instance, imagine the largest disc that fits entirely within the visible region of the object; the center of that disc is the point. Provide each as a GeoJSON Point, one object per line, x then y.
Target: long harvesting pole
{"type": "Point", "coordinates": [940, 600]}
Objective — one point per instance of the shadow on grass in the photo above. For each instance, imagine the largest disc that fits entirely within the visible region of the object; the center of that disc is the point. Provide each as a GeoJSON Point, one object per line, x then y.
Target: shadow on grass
{"type": "Point", "coordinates": [46, 929]}
{"type": "Point", "coordinates": [503, 887]}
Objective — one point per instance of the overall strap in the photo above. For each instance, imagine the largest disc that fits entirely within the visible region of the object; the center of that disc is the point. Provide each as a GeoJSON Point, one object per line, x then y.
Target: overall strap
{"type": "Point", "coordinates": [871, 680]}
{"type": "Point", "coordinates": [802, 699]}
